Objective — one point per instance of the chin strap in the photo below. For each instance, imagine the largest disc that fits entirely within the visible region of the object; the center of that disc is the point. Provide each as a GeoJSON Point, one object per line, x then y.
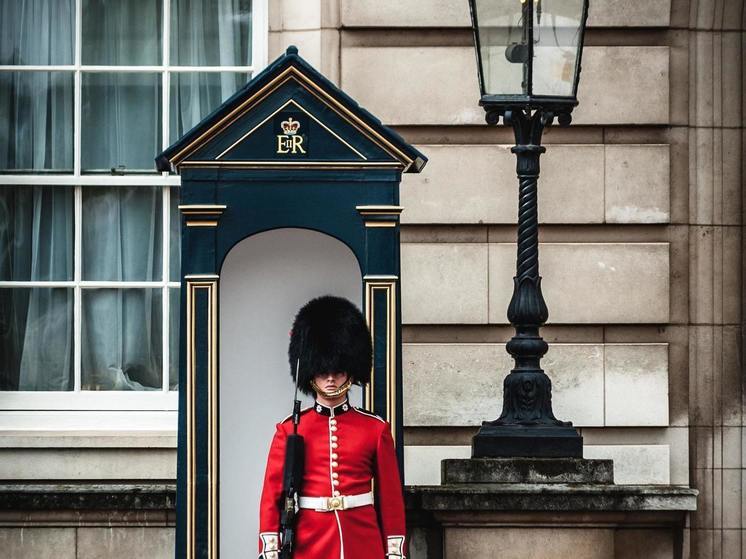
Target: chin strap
{"type": "Point", "coordinates": [342, 390]}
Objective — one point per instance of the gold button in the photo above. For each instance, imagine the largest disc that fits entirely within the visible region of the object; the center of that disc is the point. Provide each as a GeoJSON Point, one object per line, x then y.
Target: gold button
{"type": "Point", "coordinates": [334, 456]}
{"type": "Point", "coordinates": [336, 482]}
{"type": "Point", "coordinates": [337, 493]}
{"type": "Point", "coordinates": [335, 475]}
{"type": "Point", "coordinates": [332, 428]}
{"type": "Point", "coordinates": [333, 422]}
{"type": "Point", "coordinates": [335, 438]}
{"type": "Point", "coordinates": [334, 445]}
{"type": "Point", "coordinates": [335, 464]}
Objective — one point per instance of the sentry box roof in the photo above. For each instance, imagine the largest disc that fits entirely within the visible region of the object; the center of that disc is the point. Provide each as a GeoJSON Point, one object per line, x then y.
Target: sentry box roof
{"type": "Point", "coordinates": [291, 116]}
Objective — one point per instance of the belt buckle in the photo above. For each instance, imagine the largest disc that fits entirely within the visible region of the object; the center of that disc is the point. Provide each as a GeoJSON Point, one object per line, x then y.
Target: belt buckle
{"type": "Point", "coordinates": [335, 503]}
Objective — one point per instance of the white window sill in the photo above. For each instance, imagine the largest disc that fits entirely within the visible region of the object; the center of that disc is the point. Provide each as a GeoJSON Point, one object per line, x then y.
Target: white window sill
{"type": "Point", "coordinates": [88, 429]}
{"type": "Point", "coordinates": [102, 401]}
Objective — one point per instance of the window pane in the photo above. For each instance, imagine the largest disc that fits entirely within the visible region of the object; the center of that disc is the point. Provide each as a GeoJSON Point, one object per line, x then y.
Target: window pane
{"type": "Point", "coordinates": [121, 121]}
{"type": "Point", "coordinates": [36, 121]}
{"type": "Point", "coordinates": [173, 338]}
{"type": "Point", "coordinates": [122, 339]}
{"type": "Point", "coordinates": [37, 31]}
{"type": "Point", "coordinates": [36, 233]}
{"type": "Point", "coordinates": [210, 32]}
{"type": "Point", "coordinates": [175, 236]}
{"type": "Point", "coordinates": [36, 339]}
{"type": "Point", "coordinates": [122, 32]}
{"type": "Point", "coordinates": [195, 95]}
{"type": "Point", "coordinates": [122, 233]}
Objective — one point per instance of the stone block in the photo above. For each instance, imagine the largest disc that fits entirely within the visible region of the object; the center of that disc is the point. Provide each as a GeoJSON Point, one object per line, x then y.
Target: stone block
{"type": "Point", "coordinates": [566, 195]}
{"type": "Point", "coordinates": [452, 13]}
{"type": "Point", "coordinates": [647, 544]}
{"type": "Point", "coordinates": [534, 542]}
{"type": "Point", "coordinates": [382, 79]}
{"type": "Point", "coordinates": [298, 14]}
{"type": "Point", "coordinates": [584, 282]}
{"type": "Point", "coordinates": [732, 487]}
{"type": "Point", "coordinates": [527, 470]}
{"type": "Point", "coordinates": [58, 463]}
{"type": "Point", "coordinates": [620, 85]}
{"type": "Point", "coordinates": [474, 175]}
{"type": "Point", "coordinates": [444, 283]}
{"type": "Point", "coordinates": [732, 498]}
{"type": "Point", "coordinates": [624, 85]}
{"type": "Point", "coordinates": [635, 464]}
{"type": "Point", "coordinates": [36, 543]}
{"type": "Point", "coordinates": [636, 388]}
{"type": "Point", "coordinates": [629, 13]}
{"type": "Point", "coordinates": [731, 450]}
{"type": "Point", "coordinates": [125, 543]}
{"type": "Point", "coordinates": [483, 180]}
{"type": "Point", "coordinates": [577, 374]}
{"type": "Point", "coordinates": [637, 184]}
{"type": "Point", "coordinates": [439, 378]}
{"type": "Point", "coordinates": [405, 13]}
{"type": "Point", "coordinates": [677, 439]}
{"type": "Point", "coordinates": [422, 463]}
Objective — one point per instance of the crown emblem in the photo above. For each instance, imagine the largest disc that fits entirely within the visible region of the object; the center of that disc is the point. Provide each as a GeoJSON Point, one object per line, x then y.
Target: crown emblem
{"type": "Point", "coordinates": [290, 126]}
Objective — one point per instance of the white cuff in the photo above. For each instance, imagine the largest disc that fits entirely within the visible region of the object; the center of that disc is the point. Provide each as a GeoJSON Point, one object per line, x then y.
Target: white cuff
{"type": "Point", "coordinates": [270, 545]}
{"type": "Point", "coordinates": [395, 547]}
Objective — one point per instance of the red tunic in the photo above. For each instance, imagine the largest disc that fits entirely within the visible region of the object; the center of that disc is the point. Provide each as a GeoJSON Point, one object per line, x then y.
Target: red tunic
{"type": "Point", "coordinates": [346, 449]}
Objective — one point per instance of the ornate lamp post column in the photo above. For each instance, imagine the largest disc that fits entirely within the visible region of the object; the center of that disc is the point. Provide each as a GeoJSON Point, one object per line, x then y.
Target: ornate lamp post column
{"type": "Point", "coordinates": [528, 55]}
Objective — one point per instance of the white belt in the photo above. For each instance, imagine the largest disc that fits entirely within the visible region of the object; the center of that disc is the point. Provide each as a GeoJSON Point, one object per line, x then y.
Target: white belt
{"type": "Point", "coordinates": [326, 504]}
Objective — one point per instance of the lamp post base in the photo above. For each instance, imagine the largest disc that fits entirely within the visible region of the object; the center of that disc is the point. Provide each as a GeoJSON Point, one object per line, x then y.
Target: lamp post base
{"type": "Point", "coordinates": [533, 441]}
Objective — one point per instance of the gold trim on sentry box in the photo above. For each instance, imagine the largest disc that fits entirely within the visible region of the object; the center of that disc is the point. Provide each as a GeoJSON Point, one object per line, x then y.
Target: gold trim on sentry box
{"type": "Point", "coordinates": [293, 102]}
{"type": "Point", "coordinates": [293, 73]}
{"type": "Point", "coordinates": [195, 283]}
{"type": "Point", "coordinates": [379, 210]}
{"type": "Point", "coordinates": [380, 223]}
{"type": "Point", "coordinates": [202, 209]}
{"type": "Point", "coordinates": [297, 164]}
{"type": "Point", "coordinates": [389, 287]}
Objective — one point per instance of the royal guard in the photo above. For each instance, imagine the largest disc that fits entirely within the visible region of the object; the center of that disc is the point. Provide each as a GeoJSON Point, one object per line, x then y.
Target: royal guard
{"type": "Point", "coordinates": [350, 503]}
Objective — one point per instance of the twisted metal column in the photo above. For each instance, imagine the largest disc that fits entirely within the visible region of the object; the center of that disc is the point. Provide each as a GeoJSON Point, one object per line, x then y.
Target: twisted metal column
{"type": "Point", "coordinates": [527, 426]}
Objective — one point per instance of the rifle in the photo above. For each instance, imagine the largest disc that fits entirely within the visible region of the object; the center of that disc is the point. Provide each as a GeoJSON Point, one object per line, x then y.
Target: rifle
{"type": "Point", "coordinates": [292, 478]}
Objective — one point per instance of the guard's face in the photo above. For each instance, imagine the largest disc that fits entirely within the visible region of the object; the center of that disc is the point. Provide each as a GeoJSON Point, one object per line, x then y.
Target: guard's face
{"type": "Point", "coordinates": [331, 381]}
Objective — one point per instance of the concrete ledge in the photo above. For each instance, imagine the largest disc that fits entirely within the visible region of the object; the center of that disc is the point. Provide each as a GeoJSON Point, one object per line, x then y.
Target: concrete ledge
{"type": "Point", "coordinates": [87, 496]}
{"type": "Point", "coordinates": [551, 497]}
{"type": "Point", "coordinates": [527, 470]}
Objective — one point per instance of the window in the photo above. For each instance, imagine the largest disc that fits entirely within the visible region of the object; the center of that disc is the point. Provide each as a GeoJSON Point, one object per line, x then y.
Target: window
{"type": "Point", "coordinates": [90, 92]}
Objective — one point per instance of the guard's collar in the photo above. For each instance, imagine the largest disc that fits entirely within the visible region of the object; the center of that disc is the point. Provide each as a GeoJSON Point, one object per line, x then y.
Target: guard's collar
{"type": "Point", "coordinates": [325, 410]}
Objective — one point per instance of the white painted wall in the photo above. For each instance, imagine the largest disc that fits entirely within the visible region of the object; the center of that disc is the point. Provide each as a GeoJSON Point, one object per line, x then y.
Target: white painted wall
{"type": "Point", "coordinates": [265, 279]}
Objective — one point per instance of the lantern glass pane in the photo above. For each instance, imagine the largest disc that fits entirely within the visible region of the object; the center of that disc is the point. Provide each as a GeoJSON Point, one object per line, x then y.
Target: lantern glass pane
{"type": "Point", "coordinates": [503, 46]}
{"type": "Point", "coordinates": [557, 36]}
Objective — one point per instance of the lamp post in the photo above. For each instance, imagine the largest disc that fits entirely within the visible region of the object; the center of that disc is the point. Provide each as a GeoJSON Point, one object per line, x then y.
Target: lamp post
{"type": "Point", "coordinates": [528, 56]}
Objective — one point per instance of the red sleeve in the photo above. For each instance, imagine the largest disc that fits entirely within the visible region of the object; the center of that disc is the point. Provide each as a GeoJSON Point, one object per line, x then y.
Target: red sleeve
{"type": "Point", "coordinates": [269, 513]}
{"type": "Point", "coordinates": [389, 495]}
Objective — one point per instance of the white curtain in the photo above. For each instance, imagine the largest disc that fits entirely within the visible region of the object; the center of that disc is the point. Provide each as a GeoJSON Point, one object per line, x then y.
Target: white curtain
{"type": "Point", "coordinates": [36, 243]}
{"type": "Point", "coordinates": [122, 328]}
{"type": "Point", "coordinates": [36, 108]}
{"type": "Point", "coordinates": [121, 226]}
{"type": "Point", "coordinates": [206, 33]}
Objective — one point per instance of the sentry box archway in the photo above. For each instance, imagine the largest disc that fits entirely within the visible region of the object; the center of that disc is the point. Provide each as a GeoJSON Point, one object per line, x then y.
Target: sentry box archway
{"type": "Point", "coordinates": [289, 151]}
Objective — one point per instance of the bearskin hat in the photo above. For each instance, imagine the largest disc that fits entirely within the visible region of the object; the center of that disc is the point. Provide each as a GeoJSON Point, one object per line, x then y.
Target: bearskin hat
{"type": "Point", "coordinates": [330, 334]}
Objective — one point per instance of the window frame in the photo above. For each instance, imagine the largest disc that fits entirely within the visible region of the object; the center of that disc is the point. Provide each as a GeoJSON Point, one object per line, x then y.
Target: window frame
{"type": "Point", "coordinates": [145, 401]}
